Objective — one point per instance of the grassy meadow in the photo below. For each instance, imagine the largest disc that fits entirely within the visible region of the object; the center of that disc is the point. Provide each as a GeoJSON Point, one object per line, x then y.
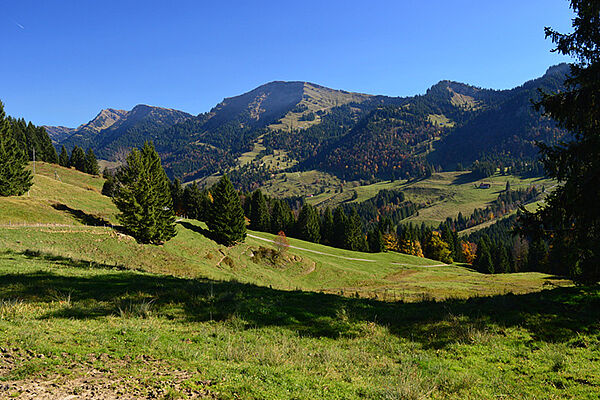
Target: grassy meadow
{"type": "Point", "coordinates": [86, 311]}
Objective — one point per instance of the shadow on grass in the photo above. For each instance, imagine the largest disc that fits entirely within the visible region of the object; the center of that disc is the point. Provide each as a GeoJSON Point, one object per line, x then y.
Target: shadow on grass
{"type": "Point", "coordinates": [198, 229]}
{"type": "Point", "coordinates": [82, 216]}
{"type": "Point", "coordinates": [465, 178]}
{"type": "Point", "coordinates": [554, 315]}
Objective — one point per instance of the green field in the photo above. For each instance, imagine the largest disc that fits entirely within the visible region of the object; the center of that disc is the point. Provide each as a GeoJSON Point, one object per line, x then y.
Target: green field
{"type": "Point", "coordinates": [86, 311]}
{"type": "Point", "coordinates": [443, 195]}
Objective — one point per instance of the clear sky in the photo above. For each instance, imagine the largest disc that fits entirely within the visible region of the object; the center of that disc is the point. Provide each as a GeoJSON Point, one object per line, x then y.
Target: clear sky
{"type": "Point", "coordinates": [63, 61]}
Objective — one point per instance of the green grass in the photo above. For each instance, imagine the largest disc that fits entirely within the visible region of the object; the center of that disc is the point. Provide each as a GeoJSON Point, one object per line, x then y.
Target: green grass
{"type": "Point", "coordinates": [236, 340]}
{"type": "Point", "coordinates": [87, 311]}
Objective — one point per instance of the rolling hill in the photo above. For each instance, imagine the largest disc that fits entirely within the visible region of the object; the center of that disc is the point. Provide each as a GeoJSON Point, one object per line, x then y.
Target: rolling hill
{"type": "Point", "coordinates": [86, 311]}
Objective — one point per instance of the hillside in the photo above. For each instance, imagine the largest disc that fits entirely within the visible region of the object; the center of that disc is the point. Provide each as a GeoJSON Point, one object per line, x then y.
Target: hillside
{"type": "Point", "coordinates": [225, 323]}
{"type": "Point", "coordinates": [113, 131]}
{"type": "Point", "coordinates": [75, 220]}
{"type": "Point", "coordinates": [301, 126]}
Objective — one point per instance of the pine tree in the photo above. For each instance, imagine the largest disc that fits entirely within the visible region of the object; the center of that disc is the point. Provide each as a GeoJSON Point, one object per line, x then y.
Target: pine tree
{"type": "Point", "coordinates": [91, 163]}
{"type": "Point", "coordinates": [259, 212]}
{"type": "Point", "coordinates": [308, 225]}
{"type": "Point", "coordinates": [570, 216]}
{"type": "Point", "coordinates": [63, 158]}
{"type": "Point", "coordinates": [353, 238]}
{"type": "Point", "coordinates": [77, 159]}
{"type": "Point", "coordinates": [281, 217]}
{"type": "Point", "coordinates": [501, 261]}
{"type": "Point", "coordinates": [327, 227]}
{"type": "Point", "coordinates": [226, 219]}
{"type": "Point", "coordinates": [339, 227]}
{"type": "Point", "coordinates": [15, 179]}
{"type": "Point", "coordinates": [375, 241]}
{"type": "Point", "coordinates": [177, 196]}
{"type": "Point", "coordinates": [143, 197]}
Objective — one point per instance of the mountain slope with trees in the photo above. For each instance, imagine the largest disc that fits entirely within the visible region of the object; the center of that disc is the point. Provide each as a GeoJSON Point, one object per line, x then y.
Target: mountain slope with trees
{"type": "Point", "coordinates": [350, 135]}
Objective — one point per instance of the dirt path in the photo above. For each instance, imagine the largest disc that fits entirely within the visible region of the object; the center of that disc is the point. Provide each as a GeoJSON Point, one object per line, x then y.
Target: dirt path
{"type": "Point", "coordinates": [313, 251]}
{"type": "Point", "coordinates": [345, 258]}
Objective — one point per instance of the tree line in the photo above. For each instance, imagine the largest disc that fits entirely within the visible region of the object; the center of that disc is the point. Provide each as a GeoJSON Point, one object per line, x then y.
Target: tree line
{"type": "Point", "coordinates": [84, 162]}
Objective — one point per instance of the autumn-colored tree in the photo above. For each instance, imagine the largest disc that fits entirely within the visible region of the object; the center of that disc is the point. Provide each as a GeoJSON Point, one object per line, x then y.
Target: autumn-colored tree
{"type": "Point", "coordinates": [281, 244]}
{"type": "Point", "coordinates": [437, 249]}
{"type": "Point", "coordinates": [390, 242]}
{"type": "Point", "coordinates": [412, 247]}
{"type": "Point", "coordinates": [469, 250]}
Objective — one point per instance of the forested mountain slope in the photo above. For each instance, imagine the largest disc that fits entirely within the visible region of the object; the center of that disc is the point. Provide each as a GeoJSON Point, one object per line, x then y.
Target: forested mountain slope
{"type": "Point", "coordinates": [350, 135]}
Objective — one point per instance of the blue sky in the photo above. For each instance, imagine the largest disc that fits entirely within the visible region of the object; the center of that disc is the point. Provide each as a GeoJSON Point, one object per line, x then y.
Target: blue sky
{"type": "Point", "coordinates": [63, 61]}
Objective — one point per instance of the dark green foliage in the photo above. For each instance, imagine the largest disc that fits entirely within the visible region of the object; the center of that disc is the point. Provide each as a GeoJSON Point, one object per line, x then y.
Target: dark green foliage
{"type": "Point", "coordinates": [33, 138]}
{"type": "Point", "coordinates": [196, 203]}
{"type": "Point", "coordinates": [177, 197]}
{"type": "Point", "coordinates": [144, 198]}
{"type": "Point", "coordinates": [375, 241]}
{"type": "Point", "coordinates": [483, 260]}
{"type": "Point", "coordinates": [15, 179]}
{"type": "Point", "coordinates": [91, 164]}
{"type": "Point", "coordinates": [570, 217]}
{"type": "Point", "coordinates": [259, 212]}
{"type": "Point", "coordinates": [501, 260]}
{"type": "Point", "coordinates": [110, 184]}
{"type": "Point", "coordinates": [77, 159]}
{"type": "Point", "coordinates": [308, 225]}
{"type": "Point", "coordinates": [481, 170]}
{"type": "Point", "coordinates": [282, 218]}
{"type": "Point", "coordinates": [63, 158]}
{"type": "Point", "coordinates": [226, 219]}
{"type": "Point", "coordinates": [339, 227]}
{"type": "Point", "coordinates": [327, 227]}
{"type": "Point", "coordinates": [353, 238]}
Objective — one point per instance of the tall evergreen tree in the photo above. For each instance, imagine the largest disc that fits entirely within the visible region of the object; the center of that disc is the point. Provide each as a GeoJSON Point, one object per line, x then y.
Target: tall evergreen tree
{"type": "Point", "coordinates": [327, 227]}
{"type": "Point", "coordinates": [259, 212]}
{"type": "Point", "coordinates": [339, 231]}
{"type": "Point", "coordinates": [143, 197]}
{"type": "Point", "coordinates": [353, 237]}
{"type": "Point", "coordinates": [308, 225]}
{"type": "Point", "coordinates": [226, 219]}
{"type": "Point", "coordinates": [15, 179]}
{"type": "Point", "coordinates": [91, 163]}
{"type": "Point", "coordinates": [375, 241]}
{"type": "Point", "coordinates": [77, 159]}
{"type": "Point", "coordinates": [281, 217]}
{"type": "Point", "coordinates": [63, 158]}
{"type": "Point", "coordinates": [177, 196]}
{"type": "Point", "coordinates": [570, 217]}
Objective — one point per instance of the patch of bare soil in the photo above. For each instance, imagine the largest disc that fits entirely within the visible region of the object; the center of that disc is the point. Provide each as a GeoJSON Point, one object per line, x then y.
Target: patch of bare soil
{"type": "Point", "coordinates": [94, 379]}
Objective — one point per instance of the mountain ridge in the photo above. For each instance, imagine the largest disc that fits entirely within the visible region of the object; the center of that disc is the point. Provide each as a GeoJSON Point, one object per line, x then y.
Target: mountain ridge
{"type": "Point", "coordinates": [352, 135]}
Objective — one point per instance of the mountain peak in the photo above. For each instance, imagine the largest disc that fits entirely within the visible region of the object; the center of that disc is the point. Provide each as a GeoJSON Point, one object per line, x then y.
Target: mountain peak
{"type": "Point", "coordinates": [105, 118]}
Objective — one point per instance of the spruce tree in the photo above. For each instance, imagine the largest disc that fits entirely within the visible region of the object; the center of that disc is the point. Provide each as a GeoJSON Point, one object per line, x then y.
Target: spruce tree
{"type": "Point", "coordinates": [308, 225]}
{"type": "Point", "coordinates": [353, 237]}
{"type": "Point", "coordinates": [195, 203]}
{"type": "Point", "coordinates": [15, 179]}
{"type": "Point", "coordinates": [226, 220]}
{"type": "Point", "coordinates": [339, 227]}
{"type": "Point", "coordinates": [281, 217]}
{"type": "Point", "coordinates": [143, 197]}
{"type": "Point", "coordinates": [259, 212]}
{"type": "Point", "coordinates": [63, 158]}
{"type": "Point", "coordinates": [570, 216]}
{"type": "Point", "coordinates": [177, 196]}
{"type": "Point", "coordinates": [375, 241]}
{"type": "Point", "coordinates": [327, 227]}
{"type": "Point", "coordinates": [77, 159]}
{"type": "Point", "coordinates": [91, 163]}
